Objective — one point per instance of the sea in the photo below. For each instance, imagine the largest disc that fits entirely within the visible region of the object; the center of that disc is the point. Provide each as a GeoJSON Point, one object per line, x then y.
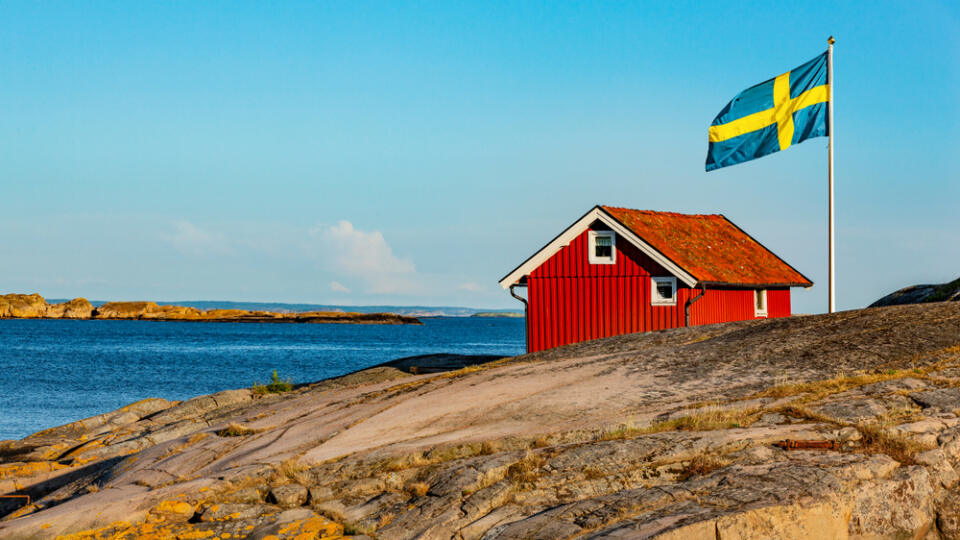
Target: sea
{"type": "Point", "coordinates": [53, 371]}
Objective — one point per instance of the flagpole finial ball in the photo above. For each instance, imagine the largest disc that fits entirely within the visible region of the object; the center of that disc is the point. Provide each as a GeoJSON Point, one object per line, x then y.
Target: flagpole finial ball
{"type": "Point", "coordinates": [830, 40]}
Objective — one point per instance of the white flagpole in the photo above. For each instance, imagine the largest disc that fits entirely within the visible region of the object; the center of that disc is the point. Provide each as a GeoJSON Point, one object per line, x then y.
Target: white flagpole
{"type": "Point", "coordinates": [832, 282]}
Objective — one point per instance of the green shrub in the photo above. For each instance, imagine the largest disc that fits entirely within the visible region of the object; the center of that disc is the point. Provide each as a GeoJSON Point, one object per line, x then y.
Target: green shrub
{"type": "Point", "coordinates": [276, 386]}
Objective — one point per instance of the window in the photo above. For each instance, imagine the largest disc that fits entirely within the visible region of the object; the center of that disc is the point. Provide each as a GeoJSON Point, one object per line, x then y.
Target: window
{"type": "Point", "coordinates": [760, 303]}
{"type": "Point", "coordinates": [663, 291]}
{"type": "Point", "coordinates": [602, 247]}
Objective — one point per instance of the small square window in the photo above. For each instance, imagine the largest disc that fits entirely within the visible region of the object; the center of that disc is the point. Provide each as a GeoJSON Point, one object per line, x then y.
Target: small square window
{"type": "Point", "coordinates": [602, 247]}
{"type": "Point", "coordinates": [760, 303]}
{"type": "Point", "coordinates": [663, 291]}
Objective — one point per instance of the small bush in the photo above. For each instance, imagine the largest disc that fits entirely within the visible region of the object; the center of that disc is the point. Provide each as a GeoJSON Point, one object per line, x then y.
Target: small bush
{"type": "Point", "coordinates": [276, 386]}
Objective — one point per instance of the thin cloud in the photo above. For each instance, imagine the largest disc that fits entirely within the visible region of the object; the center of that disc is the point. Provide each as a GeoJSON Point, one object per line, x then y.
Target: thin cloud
{"type": "Point", "coordinates": [192, 240]}
{"type": "Point", "coordinates": [471, 286]}
{"type": "Point", "coordinates": [366, 255]}
{"type": "Point", "coordinates": [336, 286]}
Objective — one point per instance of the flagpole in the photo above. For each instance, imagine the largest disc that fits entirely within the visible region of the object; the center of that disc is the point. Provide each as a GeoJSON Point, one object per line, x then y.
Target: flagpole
{"type": "Point", "coordinates": [832, 281]}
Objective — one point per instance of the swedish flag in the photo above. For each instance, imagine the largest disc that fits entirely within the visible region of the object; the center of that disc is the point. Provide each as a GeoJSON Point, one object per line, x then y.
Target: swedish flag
{"type": "Point", "coordinates": [772, 115]}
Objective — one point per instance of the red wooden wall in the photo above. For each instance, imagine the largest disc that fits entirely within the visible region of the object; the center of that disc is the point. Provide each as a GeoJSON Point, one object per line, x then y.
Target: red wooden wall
{"type": "Point", "coordinates": [571, 300]}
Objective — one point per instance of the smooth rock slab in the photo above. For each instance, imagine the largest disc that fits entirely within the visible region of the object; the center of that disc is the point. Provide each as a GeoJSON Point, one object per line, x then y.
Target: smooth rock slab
{"type": "Point", "coordinates": [946, 399]}
{"type": "Point", "coordinates": [886, 387]}
{"type": "Point", "coordinates": [854, 410]}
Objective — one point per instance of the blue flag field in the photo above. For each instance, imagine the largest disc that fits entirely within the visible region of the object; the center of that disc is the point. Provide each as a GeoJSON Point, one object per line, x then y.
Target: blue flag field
{"type": "Point", "coordinates": [771, 116]}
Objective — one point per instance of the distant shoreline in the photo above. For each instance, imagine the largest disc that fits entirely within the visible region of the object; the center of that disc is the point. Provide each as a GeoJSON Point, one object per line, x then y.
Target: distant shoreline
{"type": "Point", "coordinates": [419, 311]}
{"type": "Point", "coordinates": [34, 306]}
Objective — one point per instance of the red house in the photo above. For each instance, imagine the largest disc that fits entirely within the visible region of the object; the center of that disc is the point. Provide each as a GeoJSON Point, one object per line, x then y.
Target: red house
{"type": "Point", "coordinates": [617, 271]}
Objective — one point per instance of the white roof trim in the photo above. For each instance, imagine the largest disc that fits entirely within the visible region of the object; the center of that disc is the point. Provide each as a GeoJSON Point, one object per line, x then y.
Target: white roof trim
{"type": "Point", "coordinates": [582, 224]}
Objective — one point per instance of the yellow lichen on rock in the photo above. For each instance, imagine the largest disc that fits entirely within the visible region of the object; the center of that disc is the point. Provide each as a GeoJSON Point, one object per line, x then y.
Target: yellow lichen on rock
{"type": "Point", "coordinates": [311, 528]}
{"type": "Point", "coordinates": [142, 531]}
{"type": "Point", "coordinates": [321, 527]}
{"type": "Point", "coordinates": [195, 535]}
{"type": "Point", "coordinates": [20, 470]}
{"type": "Point", "coordinates": [172, 510]}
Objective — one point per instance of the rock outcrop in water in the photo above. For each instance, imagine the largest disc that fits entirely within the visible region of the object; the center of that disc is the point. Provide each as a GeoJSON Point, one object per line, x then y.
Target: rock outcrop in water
{"type": "Point", "coordinates": [78, 308]}
{"type": "Point", "coordinates": [827, 426]}
{"type": "Point", "coordinates": [33, 306]}
{"type": "Point", "coordinates": [24, 306]}
{"type": "Point", "coordinates": [921, 294]}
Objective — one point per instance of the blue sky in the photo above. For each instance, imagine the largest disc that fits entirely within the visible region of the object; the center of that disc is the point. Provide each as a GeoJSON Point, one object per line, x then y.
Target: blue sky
{"type": "Point", "coordinates": [414, 153]}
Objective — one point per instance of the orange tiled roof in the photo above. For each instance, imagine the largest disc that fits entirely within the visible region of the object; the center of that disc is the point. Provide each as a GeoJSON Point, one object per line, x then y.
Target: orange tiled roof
{"type": "Point", "coordinates": [709, 247]}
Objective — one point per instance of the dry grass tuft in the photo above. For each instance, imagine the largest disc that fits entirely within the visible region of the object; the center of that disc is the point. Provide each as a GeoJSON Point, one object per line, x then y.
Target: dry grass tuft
{"type": "Point", "coordinates": [825, 387]}
{"type": "Point", "coordinates": [799, 411]}
{"type": "Point", "coordinates": [353, 529]}
{"type": "Point", "coordinates": [292, 470]}
{"type": "Point", "coordinates": [197, 437]}
{"type": "Point", "coordinates": [527, 469]}
{"type": "Point", "coordinates": [622, 431]}
{"type": "Point", "coordinates": [593, 473]}
{"type": "Point", "coordinates": [540, 442]}
{"type": "Point", "coordinates": [408, 461]}
{"type": "Point", "coordinates": [700, 465]}
{"type": "Point", "coordinates": [236, 430]}
{"type": "Point", "coordinates": [418, 489]}
{"type": "Point", "coordinates": [441, 455]}
{"type": "Point", "coordinates": [177, 448]}
{"type": "Point", "coordinates": [466, 370]}
{"type": "Point", "coordinates": [490, 447]}
{"type": "Point", "coordinates": [706, 419]}
{"type": "Point", "coordinates": [878, 439]}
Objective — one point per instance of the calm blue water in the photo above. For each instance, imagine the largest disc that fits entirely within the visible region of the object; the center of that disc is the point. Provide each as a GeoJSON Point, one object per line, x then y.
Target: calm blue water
{"type": "Point", "coordinates": [57, 371]}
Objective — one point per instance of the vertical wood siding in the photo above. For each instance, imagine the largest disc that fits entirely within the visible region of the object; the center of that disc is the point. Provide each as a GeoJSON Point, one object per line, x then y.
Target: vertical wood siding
{"type": "Point", "coordinates": [571, 300]}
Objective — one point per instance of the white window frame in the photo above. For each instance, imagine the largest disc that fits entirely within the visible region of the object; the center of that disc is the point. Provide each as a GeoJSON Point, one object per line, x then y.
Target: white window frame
{"type": "Point", "coordinates": [592, 247]}
{"type": "Point", "coordinates": [655, 298]}
{"type": "Point", "coordinates": [758, 312]}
